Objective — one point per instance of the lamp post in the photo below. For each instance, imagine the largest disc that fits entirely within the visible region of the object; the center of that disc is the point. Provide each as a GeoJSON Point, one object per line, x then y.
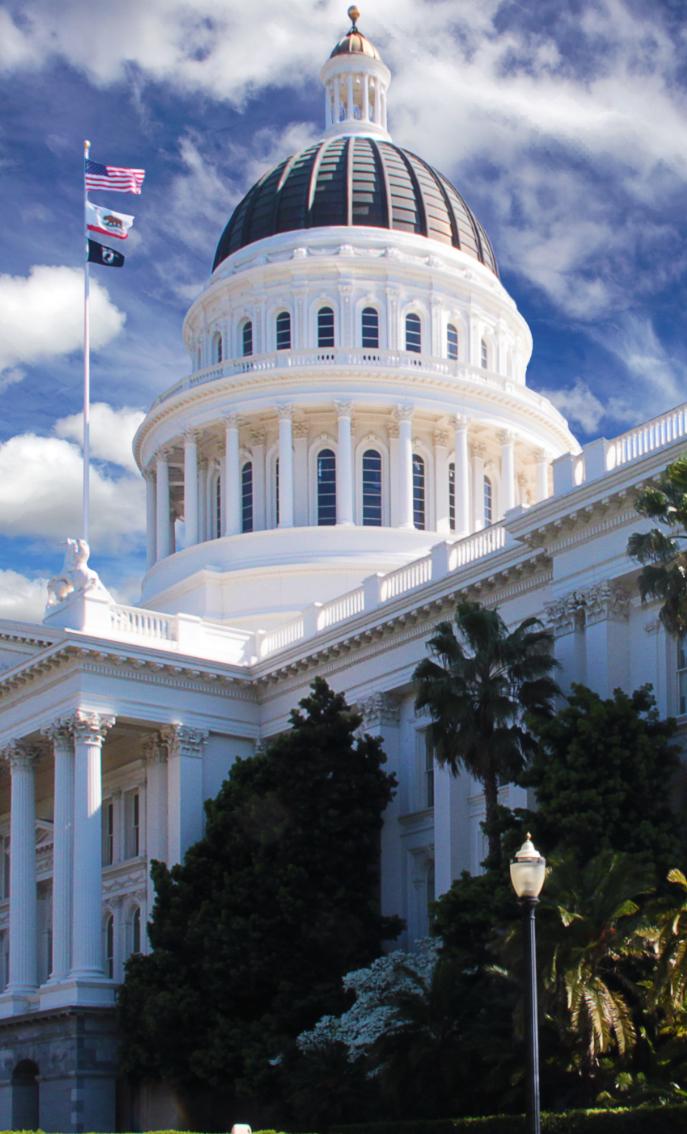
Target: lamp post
{"type": "Point", "coordinates": [527, 872]}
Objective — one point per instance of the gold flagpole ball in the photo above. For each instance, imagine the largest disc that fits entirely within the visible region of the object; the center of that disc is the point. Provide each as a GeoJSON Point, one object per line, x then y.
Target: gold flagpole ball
{"type": "Point", "coordinates": [353, 14]}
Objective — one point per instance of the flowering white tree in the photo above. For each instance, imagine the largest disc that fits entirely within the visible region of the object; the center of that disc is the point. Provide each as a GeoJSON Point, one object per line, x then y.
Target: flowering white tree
{"type": "Point", "coordinates": [376, 988]}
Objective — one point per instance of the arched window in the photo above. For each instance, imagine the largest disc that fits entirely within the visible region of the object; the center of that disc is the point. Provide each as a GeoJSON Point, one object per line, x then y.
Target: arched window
{"type": "Point", "coordinates": [136, 930]}
{"type": "Point", "coordinates": [247, 338]}
{"type": "Point", "coordinates": [325, 327]}
{"type": "Point", "coordinates": [452, 341]}
{"type": "Point", "coordinates": [217, 518]}
{"type": "Point", "coordinates": [418, 491]}
{"type": "Point", "coordinates": [247, 497]}
{"type": "Point", "coordinates": [326, 487]}
{"type": "Point", "coordinates": [216, 347]}
{"type": "Point", "coordinates": [370, 328]}
{"type": "Point", "coordinates": [484, 354]}
{"type": "Point", "coordinates": [452, 496]}
{"type": "Point", "coordinates": [109, 946]}
{"type": "Point", "coordinates": [283, 331]}
{"type": "Point", "coordinates": [413, 333]}
{"type": "Point", "coordinates": [488, 501]}
{"type": "Point", "coordinates": [372, 488]}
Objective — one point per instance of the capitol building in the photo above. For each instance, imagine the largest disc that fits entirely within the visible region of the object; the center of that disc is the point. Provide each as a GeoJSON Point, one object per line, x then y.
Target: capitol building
{"type": "Point", "coordinates": [353, 448]}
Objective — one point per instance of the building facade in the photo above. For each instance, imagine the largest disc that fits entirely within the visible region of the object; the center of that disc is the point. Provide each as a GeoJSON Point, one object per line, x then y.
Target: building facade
{"type": "Point", "coordinates": [354, 448]}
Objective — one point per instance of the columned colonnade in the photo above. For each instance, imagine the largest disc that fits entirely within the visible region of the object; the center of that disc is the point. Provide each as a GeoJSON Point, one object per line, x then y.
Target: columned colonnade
{"type": "Point", "coordinates": [470, 455]}
{"type": "Point", "coordinates": [173, 819]}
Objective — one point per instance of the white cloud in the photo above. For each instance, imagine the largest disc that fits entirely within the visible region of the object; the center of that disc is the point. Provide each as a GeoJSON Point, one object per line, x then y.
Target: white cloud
{"type": "Point", "coordinates": [22, 598]}
{"type": "Point", "coordinates": [40, 494]}
{"type": "Point", "coordinates": [41, 315]}
{"type": "Point", "coordinates": [579, 405]}
{"type": "Point", "coordinates": [111, 432]}
{"type": "Point", "coordinates": [11, 377]}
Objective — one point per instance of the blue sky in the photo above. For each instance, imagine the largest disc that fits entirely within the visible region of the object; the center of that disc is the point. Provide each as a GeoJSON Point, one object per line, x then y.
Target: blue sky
{"type": "Point", "coordinates": [564, 126]}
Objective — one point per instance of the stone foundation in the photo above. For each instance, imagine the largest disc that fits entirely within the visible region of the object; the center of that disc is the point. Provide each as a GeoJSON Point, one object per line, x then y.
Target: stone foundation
{"type": "Point", "coordinates": [58, 1071]}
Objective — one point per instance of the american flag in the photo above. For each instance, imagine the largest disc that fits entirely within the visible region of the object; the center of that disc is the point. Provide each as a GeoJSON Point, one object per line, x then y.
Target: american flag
{"type": "Point", "coordinates": [115, 178]}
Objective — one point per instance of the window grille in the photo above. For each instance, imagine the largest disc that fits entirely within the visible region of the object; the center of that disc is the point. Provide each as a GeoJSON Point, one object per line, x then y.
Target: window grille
{"type": "Point", "coordinates": [326, 487]}
{"type": "Point", "coordinates": [370, 328]}
{"type": "Point", "coordinates": [413, 333]}
{"type": "Point", "coordinates": [418, 492]}
{"type": "Point", "coordinates": [372, 489]}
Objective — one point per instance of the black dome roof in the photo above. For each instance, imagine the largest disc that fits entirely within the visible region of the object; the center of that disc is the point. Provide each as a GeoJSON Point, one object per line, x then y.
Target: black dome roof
{"type": "Point", "coordinates": [356, 181]}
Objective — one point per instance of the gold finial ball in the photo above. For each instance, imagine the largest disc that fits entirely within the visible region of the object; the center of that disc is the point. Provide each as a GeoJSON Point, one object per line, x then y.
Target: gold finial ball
{"type": "Point", "coordinates": [353, 14]}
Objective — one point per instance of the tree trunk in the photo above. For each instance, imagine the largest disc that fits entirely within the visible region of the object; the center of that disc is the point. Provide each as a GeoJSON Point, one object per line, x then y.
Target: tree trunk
{"type": "Point", "coordinates": [491, 804]}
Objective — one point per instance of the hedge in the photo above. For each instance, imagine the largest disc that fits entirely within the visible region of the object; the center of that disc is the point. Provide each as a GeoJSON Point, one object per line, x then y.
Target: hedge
{"type": "Point", "coordinates": [623, 1120]}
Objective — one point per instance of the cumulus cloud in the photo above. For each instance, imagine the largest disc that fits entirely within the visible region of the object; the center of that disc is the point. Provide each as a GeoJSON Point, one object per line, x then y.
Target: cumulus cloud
{"type": "Point", "coordinates": [22, 598]}
{"type": "Point", "coordinates": [111, 432]}
{"type": "Point", "coordinates": [40, 494]}
{"type": "Point", "coordinates": [41, 315]}
{"type": "Point", "coordinates": [579, 405]}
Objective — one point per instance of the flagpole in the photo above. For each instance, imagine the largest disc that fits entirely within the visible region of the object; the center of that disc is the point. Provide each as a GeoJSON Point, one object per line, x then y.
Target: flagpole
{"type": "Point", "coordinates": [86, 358]}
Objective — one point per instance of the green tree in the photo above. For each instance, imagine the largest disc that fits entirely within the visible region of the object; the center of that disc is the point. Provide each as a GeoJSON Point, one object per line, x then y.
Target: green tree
{"type": "Point", "coordinates": [660, 550]}
{"type": "Point", "coordinates": [602, 772]}
{"type": "Point", "coordinates": [481, 684]}
{"type": "Point", "coordinates": [252, 933]}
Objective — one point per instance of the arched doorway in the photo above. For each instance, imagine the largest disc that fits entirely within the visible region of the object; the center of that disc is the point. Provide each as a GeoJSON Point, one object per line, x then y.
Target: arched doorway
{"type": "Point", "coordinates": [25, 1096]}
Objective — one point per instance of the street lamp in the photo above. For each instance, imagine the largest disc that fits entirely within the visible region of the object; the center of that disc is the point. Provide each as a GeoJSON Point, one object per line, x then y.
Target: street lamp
{"type": "Point", "coordinates": [527, 873]}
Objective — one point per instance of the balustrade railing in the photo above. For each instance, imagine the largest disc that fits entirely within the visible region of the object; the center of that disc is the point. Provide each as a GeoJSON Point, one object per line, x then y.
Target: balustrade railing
{"type": "Point", "coordinates": [406, 578]}
{"type": "Point", "coordinates": [477, 545]}
{"type": "Point", "coordinates": [651, 435]}
{"type": "Point", "coordinates": [282, 637]}
{"type": "Point", "coordinates": [345, 606]}
{"type": "Point", "coordinates": [139, 623]}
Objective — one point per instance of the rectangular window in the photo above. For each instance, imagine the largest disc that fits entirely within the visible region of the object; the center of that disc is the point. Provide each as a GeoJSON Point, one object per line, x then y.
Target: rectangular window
{"type": "Point", "coordinates": [108, 832]}
{"type": "Point", "coordinates": [132, 841]}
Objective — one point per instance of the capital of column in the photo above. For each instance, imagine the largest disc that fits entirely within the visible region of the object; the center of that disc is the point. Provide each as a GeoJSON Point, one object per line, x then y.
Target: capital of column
{"type": "Point", "coordinates": [20, 755]}
{"type": "Point", "coordinates": [285, 411]}
{"type": "Point", "coordinates": [182, 740]}
{"type": "Point", "coordinates": [506, 437]}
{"type": "Point", "coordinates": [232, 421]}
{"type": "Point", "coordinates": [404, 412]}
{"type": "Point", "coordinates": [154, 750]}
{"type": "Point", "coordinates": [380, 709]}
{"type": "Point", "coordinates": [92, 727]}
{"type": "Point", "coordinates": [460, 421]}
{"type": "Point", "coordinates": [343, 408]}
{"type": "Point", "coordinates": [163, 453]}
{"type": "Point", "coordinates": [192, 435]}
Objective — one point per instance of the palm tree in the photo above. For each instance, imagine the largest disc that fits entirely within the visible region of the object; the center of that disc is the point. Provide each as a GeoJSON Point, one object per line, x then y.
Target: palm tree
{"type": "Point", "coordinates": [480, 684]}
{"type": "Point", "coordinates": [664, 562]}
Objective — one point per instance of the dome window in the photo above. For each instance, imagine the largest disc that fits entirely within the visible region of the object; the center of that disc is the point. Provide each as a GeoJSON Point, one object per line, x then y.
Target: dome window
{"type": "Point", "coordinates": [247, 497]}
{"type": "Point", "coordinates": [413, 333]}
{"type": "Point", "coordinates": [484, 355]}
{"type": "Point", "coordinates": [247, 338]}
{"type": "Point", "coordinates": [452, 342]}
{"type": "Point", "coordinates": [488, 496]}
{"type": "Point", "coordinates": [370, 328]}
{"type": "Point", "coordinates": [283, 331]}
{"type": "Point", "coordinates": [419, 511]}
{"type": "Point", "coordinates": [216, 347]}
{"type": "Point", "coordinates": [326, 487]}
{"type": "Point", "coordinates": [452, 496]}
{"type": "Point", "coordinates": [325, 327]}
{"type": "Point", "coordinates": [372, 489]}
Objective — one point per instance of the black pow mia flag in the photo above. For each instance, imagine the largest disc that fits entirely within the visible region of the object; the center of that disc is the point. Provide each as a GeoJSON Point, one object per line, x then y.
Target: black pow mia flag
{"type": "Point", "coordinates": [101, 254]}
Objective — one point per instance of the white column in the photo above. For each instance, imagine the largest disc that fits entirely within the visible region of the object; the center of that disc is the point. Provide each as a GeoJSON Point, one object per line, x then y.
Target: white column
{"type": "Point", "coordinates": [300, 473]}
{"type": "Point", "coordinates": [202, 501]}
{"type": "Point", "coordinates": [191, 487]}
{"type": "Point", "coordinates": [478, 454]}
{"type": "Point", "coordinates": [392, 298]}
{"type": "Point", "coordinates": [462, 478]}
{"type": "Point", "coordinates": [507, 470]}
{"type": "Point", "coordinates": [542, 476]}
{"type": "Point", "coordinates": [151, 519]}
{"type": "Point", "coordinates": [347, 330]}
{"type": "Point", "coordinates": [366, 97]}
{"type": "Point", "coordinates": [405, 466]}
{"type": "Point", "coordinates": [285, 467]}
{"type": "Point", "coordinates": [259, 481]}
{"type": "Point", "coordinates": [185, 747]}
{"type": "Point", "coordinates": [162, 505]}
{"type": "Point", "coordinates": [441, 496]}
{"type": "Point", "coordinates": [62, 856]}
{"type": "Point", "coordinates": [155, 753]}
{"type": "Point", "coordinates": [23, 975]}
{"type": "Point", "coordinates": [232, 477]}
{"type": "Point", "coordinates": [349, 90]}
{"type": "Point", "coordinates": [90, 730]}
{"type": "Point", "coordinates": [344, 465]}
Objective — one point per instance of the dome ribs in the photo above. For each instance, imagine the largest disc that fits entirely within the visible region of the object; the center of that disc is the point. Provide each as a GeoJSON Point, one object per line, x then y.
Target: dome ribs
{"type": "Point", "coordinates": [356, 181]}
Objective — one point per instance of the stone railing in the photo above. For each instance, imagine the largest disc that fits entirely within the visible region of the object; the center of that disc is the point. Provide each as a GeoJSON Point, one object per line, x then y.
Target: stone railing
{"type": "Point", "coordinates": [183, 633]}
{"type": "Point", "coordinates": [601, 456]}
{"type": "Point", "coordinates": [376, 590]}
{"type": "Point", "coordinates": [394, 360]}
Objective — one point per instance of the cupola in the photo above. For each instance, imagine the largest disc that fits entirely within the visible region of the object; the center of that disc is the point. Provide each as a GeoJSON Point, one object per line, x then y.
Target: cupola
{"type": "Point", "coordinates": [356, 82]}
